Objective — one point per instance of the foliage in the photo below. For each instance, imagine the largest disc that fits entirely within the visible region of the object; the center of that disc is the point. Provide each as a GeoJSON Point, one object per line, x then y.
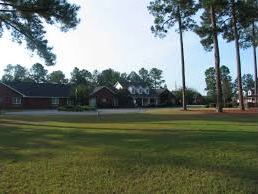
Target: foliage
{"type": "Point", "coordinates": [247, 81]}
{"type": "Point", "coordinates": [57, 77]}
{"type": "Point", "coordinates": [14, 73]}
{"type": "Point", "coordinates": [38, 73]}
{"type": "Point", "coordinates": [76, 108]}
{"type": "Point", "coordinates": [226, 82]}
{"type": "Point", "coordinates": [26, 18]}
{"type": "Point", "coordinates": [81, 77]}
{"type": "Point", "coordinates": [134, 78]}
{"type": "Point", "coordinates": [108, 77]}
{"type": "Point", "coordinates": [246, 13]}
{"type": "Point", "coordinates": [191, 95]}
{"type": "Point", "coordinates": [145, 77]}
{"type": "Point", "coordinates": [80, 93]}
{"type": "Point", "coordinates": [156, 78]}
{"type": "Point", "coordinates": [210, 82]}
{"type": "Point", "coordinates": [166, 15]}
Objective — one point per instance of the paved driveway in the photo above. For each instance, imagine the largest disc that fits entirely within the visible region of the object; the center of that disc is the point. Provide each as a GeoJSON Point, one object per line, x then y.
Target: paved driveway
{"type": "Point", "coordinates": [55, 112]}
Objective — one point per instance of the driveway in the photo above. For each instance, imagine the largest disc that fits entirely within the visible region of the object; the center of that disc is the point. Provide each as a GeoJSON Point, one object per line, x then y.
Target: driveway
{"type": "Point", "coordinates": [55, 112]}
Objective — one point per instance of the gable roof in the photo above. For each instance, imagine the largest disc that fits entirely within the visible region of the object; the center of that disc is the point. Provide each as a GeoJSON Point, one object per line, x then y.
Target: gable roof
{"type": "Point", "coordinates": [27, 89]}
{"type": "Point", "coordinates": [97, 89]}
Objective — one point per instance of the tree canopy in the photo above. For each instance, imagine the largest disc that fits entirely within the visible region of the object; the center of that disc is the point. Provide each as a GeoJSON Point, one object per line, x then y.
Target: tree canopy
{"type": "Point", "coordinates": [26, 20]}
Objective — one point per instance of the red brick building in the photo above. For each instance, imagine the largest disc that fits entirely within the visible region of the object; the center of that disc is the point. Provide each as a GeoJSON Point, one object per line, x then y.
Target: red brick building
{"type": "Point", "coordinates": [103, 97]}
{"type": "Point", "coordinates": [33, 95]}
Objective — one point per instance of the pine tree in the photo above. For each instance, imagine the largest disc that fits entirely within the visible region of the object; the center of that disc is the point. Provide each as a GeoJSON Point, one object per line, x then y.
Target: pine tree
{"type": "Point", "coordinates": [26, 20]}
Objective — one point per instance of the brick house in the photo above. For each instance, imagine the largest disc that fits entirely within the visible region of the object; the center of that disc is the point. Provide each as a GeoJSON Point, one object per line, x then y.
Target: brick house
{"type": "Point", "coordinates": [145, 96]}
{"type": "Point", "coordinates": [34, 95]}
{"type": "Point", "coordinates": [104, 97]}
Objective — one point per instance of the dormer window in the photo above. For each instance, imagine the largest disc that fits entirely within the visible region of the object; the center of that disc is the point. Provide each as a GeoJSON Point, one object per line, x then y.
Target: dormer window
{"type": "Point", "coordinates": [133, 91]}
{"type": "Point", "coordinates": [147, 90]}
{"type": "Point", "coordinates": [249, 93]}
{"type": "Point", "coordinates": [140, 91]}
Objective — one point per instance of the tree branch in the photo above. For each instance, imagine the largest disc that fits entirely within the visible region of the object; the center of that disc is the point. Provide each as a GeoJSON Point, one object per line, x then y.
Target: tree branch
{"type": "Point", "coordinates": [168, 20]}
{"type": "Point", "coordinates": [17, 29]}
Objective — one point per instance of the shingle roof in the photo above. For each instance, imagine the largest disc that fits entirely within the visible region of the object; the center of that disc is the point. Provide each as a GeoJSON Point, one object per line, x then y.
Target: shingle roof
{"type": "Point", "coordinates": [40, 89]}
{"type": "Point", "coordinates": [97, 89]}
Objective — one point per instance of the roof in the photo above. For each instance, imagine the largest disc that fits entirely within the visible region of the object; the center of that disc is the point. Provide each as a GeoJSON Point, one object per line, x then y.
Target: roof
{"type": "Point", "coordinates": [28, 89]}
{"type": "Point", "coordinates": [97, 89]}
{"type": "Point", "coordinates": [160, 91]}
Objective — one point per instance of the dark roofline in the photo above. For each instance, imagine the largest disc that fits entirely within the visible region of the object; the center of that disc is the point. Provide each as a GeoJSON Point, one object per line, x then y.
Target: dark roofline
{"type": "Point", "coordinates": [28, 96]}
{"type": "Point", "coordinates": [100, 88]}
{"type": "Point", "coordinates": [13, 89]}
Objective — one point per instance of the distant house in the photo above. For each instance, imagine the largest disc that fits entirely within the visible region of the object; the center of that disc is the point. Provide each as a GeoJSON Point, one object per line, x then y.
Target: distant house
{"type": "Point", "coordinates": [250, 97]}
{"type": "Point", "coordinates": [103, 97]}
{"type": "Point", "coordinates": [146, 96]}
{"type": "Point", "coordinates": [34, 95]}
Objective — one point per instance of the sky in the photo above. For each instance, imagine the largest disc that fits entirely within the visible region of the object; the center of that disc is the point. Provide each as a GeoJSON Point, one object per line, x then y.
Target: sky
{"type": "Point", "coordinates": [116, 34]}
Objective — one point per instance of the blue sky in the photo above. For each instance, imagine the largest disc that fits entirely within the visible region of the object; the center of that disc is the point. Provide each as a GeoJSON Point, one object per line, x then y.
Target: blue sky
{"type": "Point", "coordinates": [116, 34]}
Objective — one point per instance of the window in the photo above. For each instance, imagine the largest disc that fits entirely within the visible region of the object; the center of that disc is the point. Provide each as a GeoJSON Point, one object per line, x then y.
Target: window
{"type": "Point", "coordinates": [69, 102]}
{"type": "Point", "coordinates": [147, 90]}
{"type": "Point", "coordinates": [16, 100]}
{"type": "Point", "coordinates": [55, 101]}
{"type": "Point", "coordinates": [133, 91]}
{"type": "Point", "coordinates": [140, 91]}
{"type": "Point", "coordinates": [249, 93]}
{"type": "Point", "coordinates": [104, 100]}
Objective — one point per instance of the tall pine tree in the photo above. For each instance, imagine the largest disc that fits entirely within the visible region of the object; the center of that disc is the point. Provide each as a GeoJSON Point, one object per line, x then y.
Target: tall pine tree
{"type": "Point", "coordinates": [25, 20]}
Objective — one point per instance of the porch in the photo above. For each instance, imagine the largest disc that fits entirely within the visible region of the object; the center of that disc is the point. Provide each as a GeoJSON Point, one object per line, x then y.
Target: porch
{"type": "Point", "coordinates": [144, 102]}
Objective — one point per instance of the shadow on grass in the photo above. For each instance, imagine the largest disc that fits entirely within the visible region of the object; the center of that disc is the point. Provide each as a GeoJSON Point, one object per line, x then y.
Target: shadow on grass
{"type": "Point", "coordinates": [135, 118]}
{"type": "Point", "coordinates": [216, 151]}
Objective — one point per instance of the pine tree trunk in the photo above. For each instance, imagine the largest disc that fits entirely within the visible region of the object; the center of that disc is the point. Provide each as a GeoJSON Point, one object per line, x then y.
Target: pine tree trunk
{"type": "Point", "coordinates": [239, 74]}
{"type": "Point", "coordinates": [182, 58]}
{"type": "Point", "coordinates": [255, 67]}
{"type": "Point", "coordinates": [217, 60]}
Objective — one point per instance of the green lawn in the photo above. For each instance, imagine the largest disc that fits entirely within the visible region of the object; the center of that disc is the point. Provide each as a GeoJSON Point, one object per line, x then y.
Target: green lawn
{"type": "Point", "coordinates": [159, 151]}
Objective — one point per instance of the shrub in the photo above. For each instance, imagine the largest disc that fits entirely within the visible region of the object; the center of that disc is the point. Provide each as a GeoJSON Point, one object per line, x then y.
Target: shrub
{"type": "Point", "coordinates": [228, 105]}
{"type": "Point", "coordinates": [212, 105]}
{"type": "Point", "coordinates": [76, 108]}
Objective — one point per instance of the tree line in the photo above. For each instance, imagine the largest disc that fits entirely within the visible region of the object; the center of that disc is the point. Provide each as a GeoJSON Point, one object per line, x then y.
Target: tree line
{"type": "Point", "coordinates": [38, 74]}
{"type": "Point", "coordinates": [229, 86]}
{"type": "Point", "coordinates": [235, 20]}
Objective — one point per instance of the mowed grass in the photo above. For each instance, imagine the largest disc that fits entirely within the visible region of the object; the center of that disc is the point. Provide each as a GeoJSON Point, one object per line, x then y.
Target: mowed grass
{"type": "Point", "coordinates": [161, 151]}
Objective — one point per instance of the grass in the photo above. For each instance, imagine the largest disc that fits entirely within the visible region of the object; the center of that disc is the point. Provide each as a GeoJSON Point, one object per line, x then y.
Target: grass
{"type": "Point", "coordinates": [161, 151]}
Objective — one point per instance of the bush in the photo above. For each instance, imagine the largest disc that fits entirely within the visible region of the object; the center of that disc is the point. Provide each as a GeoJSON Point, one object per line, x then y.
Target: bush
{"type": "Point", "coordinates": [228, 105]}
{"type": "Point", "coordinates": [77, 108]}
{"type": "Point", "coordinates": [88, 108]}
{"type": "Point", "coordinates": [212, 105]}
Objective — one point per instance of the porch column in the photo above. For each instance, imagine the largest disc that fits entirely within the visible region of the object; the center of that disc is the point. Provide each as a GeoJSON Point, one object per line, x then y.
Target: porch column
{"type": "Point", "coordinates": [142, 102]}
{"type": "Point", "coordinates": [157, 101]}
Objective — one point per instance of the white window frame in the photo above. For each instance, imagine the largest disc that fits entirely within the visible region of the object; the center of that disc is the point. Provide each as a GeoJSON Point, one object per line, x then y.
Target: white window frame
{"type": "Point", "coordinates": [16, 100]}
{"type": "Point", "coordinates": [54, 101]}
{"type": "Point", "coordinates": [69, 102]}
